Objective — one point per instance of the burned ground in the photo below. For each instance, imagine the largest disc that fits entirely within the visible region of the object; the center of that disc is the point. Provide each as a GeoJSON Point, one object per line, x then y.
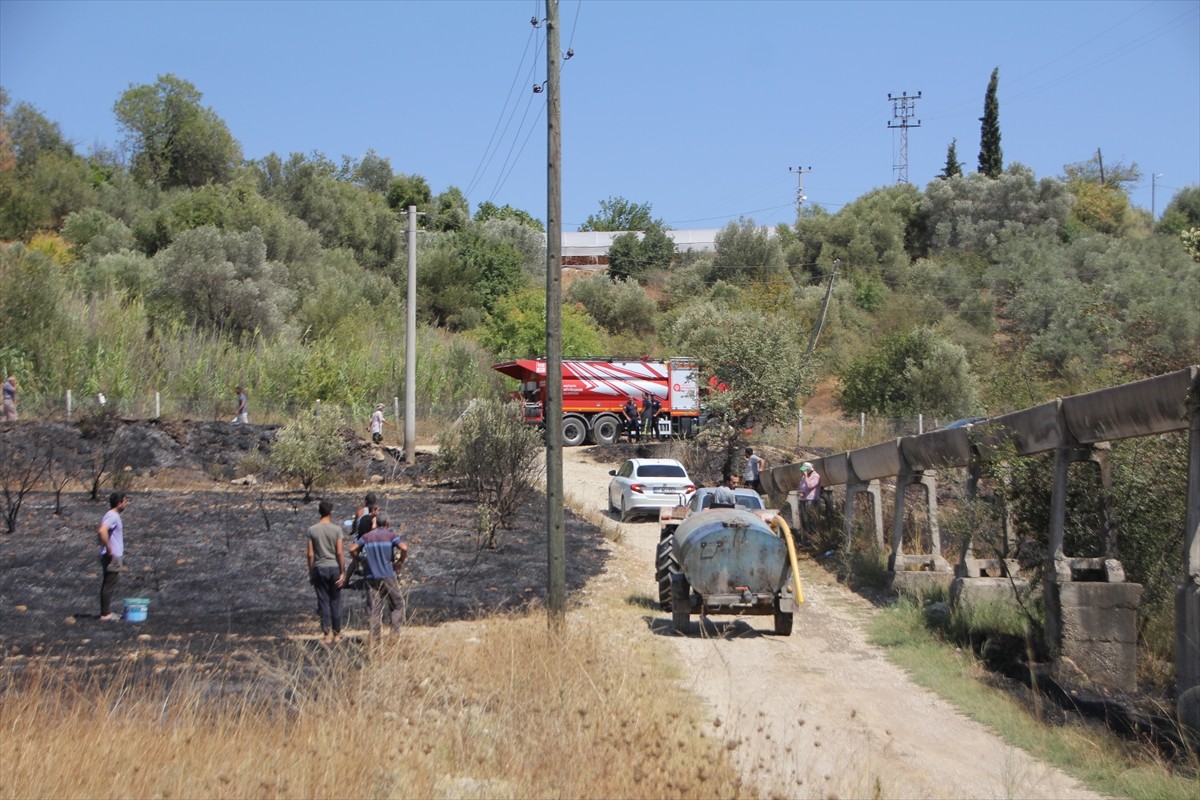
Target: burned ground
{"type": "Point", "coordinates": [223, 565]}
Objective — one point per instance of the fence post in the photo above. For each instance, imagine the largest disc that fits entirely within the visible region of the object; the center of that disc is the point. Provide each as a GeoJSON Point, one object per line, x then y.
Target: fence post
{"type": "Point", "coordinates": [862, 425]}
{"type": "Point", "coordinates": [68, 405]}
{"type": "Point", "coordinates": [317, 410]}
{"type": "Point", "coordinates": [396, 408]}
{"type": "Point", "coordinates": [157, 406]}
{"type": "Point", "coordinates": [920, 423]}
{"type": "Point", "coordinates": [799, 426]}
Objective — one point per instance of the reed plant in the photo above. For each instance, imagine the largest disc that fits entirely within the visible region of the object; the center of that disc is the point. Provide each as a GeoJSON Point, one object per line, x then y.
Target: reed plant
{"type": "Point", "coordinates": [501, 708]}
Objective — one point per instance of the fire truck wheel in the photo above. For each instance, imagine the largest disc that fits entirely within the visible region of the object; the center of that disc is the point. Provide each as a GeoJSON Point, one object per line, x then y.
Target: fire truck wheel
{"type": "Point", "coordinates": [605, 429]}
{"type": "Point", "coordinates": [574, 431]}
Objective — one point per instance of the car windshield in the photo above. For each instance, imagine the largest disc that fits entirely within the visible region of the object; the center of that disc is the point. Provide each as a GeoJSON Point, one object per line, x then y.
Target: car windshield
{"type": "Point", "coordinates": [661, 471]}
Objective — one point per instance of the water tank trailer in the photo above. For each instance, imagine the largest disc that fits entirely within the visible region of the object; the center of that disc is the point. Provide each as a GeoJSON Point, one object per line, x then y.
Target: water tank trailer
{"type": "Point", "coordinates": [729, 561]}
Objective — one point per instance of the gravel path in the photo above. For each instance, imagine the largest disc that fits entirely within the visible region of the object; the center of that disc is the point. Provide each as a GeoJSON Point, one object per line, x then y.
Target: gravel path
{"type": "Point", "coordinates": [821, 713]}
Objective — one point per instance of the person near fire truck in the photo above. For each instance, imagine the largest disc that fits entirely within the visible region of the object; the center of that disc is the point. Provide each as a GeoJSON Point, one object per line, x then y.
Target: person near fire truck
{"type": "Point", "coordinates": [651, 410]}
{"type": "Point", "coordinates": [632, 420]}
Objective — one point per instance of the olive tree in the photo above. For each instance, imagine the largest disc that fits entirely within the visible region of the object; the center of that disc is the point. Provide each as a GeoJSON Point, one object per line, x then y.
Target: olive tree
{"type": "Point", "coordinates": [910, 373]}
{"type": "Point", "coordinates": [754, 365]}
{"type": "Point", "coordinates": [222, 281]}
{"type": "Point", "coordinates": [619, 214]}
{"type": "Point", "coordinates": [308, 449]}
{"type": "Point", "coordinates": [175, 141]}
{"type": "Point", "coordinates": [496, 457]}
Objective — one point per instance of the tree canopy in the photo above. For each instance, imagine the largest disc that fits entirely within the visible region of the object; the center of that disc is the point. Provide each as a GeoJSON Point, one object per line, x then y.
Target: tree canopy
{"type": "Point", "coordinates": [174, 140]}
{"type": "Point", "coordinates": [991, 156]}
{"type": "Point", "coordinates": [619, 214]}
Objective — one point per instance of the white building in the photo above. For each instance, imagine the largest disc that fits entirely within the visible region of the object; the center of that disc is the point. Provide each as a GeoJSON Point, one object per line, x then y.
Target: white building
{"type": "Point", "coordinates": [589, 249]}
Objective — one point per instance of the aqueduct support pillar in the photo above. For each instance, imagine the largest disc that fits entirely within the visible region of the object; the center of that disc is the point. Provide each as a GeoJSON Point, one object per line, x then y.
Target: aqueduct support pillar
{"type": "Point", "coordinates": [1091, 612]}
{"type": "Point", "coordinates": [853, 490]}
{"type": "Point", "coordinates": [917, 571]}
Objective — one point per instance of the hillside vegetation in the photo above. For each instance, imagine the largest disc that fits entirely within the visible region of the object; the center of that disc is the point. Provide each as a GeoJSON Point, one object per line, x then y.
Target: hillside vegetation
{"type": "Point", "coordinates": [179, 267]}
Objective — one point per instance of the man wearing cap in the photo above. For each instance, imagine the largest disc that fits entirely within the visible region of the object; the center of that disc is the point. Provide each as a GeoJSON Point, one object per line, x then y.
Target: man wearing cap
{"type": "Point", "coordinates": [808, 492]}
{"type": "Point", "coordinates": [376, 424]}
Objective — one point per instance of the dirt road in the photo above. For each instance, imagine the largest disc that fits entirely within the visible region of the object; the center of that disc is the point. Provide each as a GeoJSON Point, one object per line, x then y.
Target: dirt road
{"type": "Point", "coordinates": [821, 713]}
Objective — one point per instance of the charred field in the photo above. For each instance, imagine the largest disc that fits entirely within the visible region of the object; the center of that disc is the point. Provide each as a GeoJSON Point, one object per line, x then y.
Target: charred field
{"type": "Point", "coordinates": [223, 565]}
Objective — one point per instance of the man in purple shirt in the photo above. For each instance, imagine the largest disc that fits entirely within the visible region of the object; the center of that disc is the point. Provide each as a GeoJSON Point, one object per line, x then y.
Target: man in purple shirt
{"type": "Point", "coordinates": [384, 553]}
{"type": "Point", "coordinates": [112, 553]}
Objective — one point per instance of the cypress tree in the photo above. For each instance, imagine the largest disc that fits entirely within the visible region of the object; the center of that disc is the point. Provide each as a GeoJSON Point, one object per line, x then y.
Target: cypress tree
{"type": "Point", "coordinates": [953, 168]}
{"type": "Point", "coordinates": [991, 157]}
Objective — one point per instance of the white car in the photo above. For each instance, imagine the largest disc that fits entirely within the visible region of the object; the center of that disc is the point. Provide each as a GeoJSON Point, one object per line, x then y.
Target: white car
{"type": "Point", "coordinates": [644, 485]}
{"type": "Point", "coordinates": [746, 500]}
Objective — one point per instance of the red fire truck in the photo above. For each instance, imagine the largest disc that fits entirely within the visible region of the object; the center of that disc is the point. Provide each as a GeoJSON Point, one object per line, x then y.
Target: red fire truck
{"type": "Point", "coordinates": [595, 390]}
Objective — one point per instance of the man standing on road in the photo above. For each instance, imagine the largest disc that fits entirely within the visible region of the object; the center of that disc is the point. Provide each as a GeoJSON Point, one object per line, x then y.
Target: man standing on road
{"type": "Point", "coordinates": [754, 467]}
{"type": "Point", "coordinates": [9, 392]}
{"type": "Point", "coordinates": [384, 553]}
{"type": "Point", "coordinates": [808, 492]}
{"type": "Point", "coordinates": [326, 565]}
{"type": "Point", "coordinates": [632, 427]}
{"type": "Point", "coordinates": [652, 410]}
{"type": "Point", "coordinates": [112, 553]}
{"type": "Point", "coordinates": [376, 424]}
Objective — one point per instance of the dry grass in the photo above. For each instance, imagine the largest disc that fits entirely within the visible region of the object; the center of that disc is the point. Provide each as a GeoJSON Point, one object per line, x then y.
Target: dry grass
{"type": "Point", "coordinates": [497, 708]}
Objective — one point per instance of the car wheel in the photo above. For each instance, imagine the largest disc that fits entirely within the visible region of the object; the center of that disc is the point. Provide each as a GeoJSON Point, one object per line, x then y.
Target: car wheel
{"type": "Point", "coordinates": [624, 511]}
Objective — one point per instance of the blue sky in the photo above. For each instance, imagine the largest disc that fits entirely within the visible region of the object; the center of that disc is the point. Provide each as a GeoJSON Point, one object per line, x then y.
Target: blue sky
{"type": "Point", "coordinates": [698, 108]}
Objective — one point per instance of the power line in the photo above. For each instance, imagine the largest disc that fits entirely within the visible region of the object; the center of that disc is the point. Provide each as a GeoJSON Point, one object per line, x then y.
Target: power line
{"type": "Point", "coordinates": [489, 152]}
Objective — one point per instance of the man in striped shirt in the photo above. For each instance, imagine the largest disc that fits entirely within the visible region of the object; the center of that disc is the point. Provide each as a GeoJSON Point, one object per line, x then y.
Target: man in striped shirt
{"type": "Point", "coordinates": [384, 553]}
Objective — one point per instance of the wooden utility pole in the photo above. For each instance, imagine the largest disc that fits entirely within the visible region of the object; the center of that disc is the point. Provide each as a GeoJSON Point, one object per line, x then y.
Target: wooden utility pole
{"type": "Point", "coordinates": [812, 340]}
{"type": "Point", "coordinates": [556, 595]}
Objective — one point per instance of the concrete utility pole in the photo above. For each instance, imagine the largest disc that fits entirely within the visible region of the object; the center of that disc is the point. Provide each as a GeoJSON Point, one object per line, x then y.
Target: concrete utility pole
{"type": "Point", "coordinates": [1153, 190]}
{"type": "Point", "coordinates": [800, 196]}
{"type": "Point", "coordinates": [904, 108]}
{"type": "Point", "coordinates": [410, 345]}
{"type": "Point", "coordinates": [556, 594]}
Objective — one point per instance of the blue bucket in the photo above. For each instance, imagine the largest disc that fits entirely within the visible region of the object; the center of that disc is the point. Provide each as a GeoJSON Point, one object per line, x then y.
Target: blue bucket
{"type": "Point", "coordinates": [136, 609]}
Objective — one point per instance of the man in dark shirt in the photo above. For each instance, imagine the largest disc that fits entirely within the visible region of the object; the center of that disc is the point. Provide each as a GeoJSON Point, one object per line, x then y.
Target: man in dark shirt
{"type": "Point", "coordinates": [652, 410]}
{"type": "Point", "coordinates": [632, 428]}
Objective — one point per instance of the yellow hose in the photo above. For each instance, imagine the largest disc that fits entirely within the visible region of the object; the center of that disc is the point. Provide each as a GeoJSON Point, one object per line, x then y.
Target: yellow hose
{"type": "Point", "coordinates": [791, 545]}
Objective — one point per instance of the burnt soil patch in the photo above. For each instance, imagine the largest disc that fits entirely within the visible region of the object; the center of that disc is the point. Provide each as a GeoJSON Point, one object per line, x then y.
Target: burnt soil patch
{"type": "Point", "coordinates": [223, 566]}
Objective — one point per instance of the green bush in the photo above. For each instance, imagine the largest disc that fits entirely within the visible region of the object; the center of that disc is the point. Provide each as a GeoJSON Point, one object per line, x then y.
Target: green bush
{"type": "Point", "coordinates": [496, 457]}
{"type": "Point", "coordinates": [308, 448]}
